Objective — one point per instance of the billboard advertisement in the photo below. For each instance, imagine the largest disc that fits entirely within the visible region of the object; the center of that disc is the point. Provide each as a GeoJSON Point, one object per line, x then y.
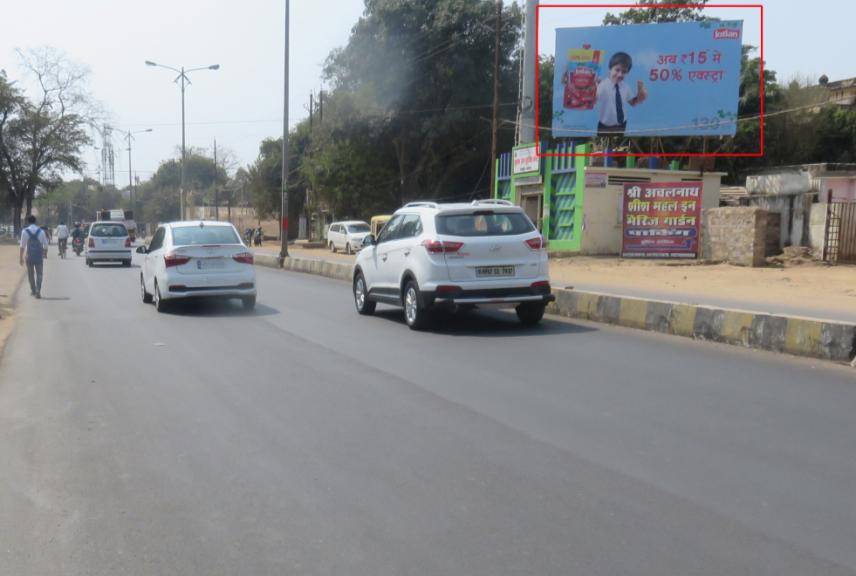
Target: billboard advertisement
{"type": "Point", "coordinates": [670, 79]}
{"type": "Point", "coordinates": [661, 220]}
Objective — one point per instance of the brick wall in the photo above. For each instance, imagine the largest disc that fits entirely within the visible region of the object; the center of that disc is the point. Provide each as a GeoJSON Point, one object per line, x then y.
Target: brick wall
{"type": "Point", "coordinates": [737, 235]}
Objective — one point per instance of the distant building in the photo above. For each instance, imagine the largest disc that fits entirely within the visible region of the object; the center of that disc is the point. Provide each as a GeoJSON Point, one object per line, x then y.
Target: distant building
{"type": "Point", "coordinates": [842, 91]}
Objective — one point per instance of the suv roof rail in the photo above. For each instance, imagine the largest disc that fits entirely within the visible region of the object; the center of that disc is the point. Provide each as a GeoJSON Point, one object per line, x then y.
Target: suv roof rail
{"type": "Point", "coordinates": [418, 204]}
{"type": "Point", "coordinates": [493, 201]}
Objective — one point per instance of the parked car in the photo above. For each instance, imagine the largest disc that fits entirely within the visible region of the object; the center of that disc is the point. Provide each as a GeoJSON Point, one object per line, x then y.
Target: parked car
{"type": "Point", "coordinates": [107, 242]}
{"type": "Point", "coordinates": [347, 236]}
{"type": "Point", "coordinates": [487, 253]}
{"type": "Point", "coordinates": [197, 259]}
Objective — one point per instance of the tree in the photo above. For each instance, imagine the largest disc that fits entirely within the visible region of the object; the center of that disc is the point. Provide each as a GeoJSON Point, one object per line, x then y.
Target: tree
{"type": "Point", "coordinates": [654, 15]}
{"type": "Point", "coordinates": [416, 77]}
{"type": "Point", "coordinates": [42, 137]}
{"type": "Point", "coordinates": [159, 194]}
{"type": "Point", "coordinates": [264, 177]}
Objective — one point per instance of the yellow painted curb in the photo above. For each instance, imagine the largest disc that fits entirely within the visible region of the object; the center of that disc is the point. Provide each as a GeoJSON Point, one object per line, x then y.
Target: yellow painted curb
{"type": "Point", "coordinates": [633, 313]}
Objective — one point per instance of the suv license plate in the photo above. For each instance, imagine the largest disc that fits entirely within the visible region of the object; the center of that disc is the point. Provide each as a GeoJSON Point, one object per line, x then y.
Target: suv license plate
{"type": "Point", "coordinates": [494, 271]}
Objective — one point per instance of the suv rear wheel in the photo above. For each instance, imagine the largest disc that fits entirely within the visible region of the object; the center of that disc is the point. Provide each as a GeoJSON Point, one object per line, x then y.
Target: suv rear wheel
{"type": "Point", "coordinates": [530, 313]}
{"type": "Point", "coordinates": [415, 313]}
{"type": "Point", "coordinates": [364, 306]}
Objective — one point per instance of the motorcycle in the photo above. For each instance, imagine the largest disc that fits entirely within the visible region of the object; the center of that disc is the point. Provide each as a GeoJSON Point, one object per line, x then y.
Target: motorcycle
{"type": "Point", "coordinates": [77, 245]}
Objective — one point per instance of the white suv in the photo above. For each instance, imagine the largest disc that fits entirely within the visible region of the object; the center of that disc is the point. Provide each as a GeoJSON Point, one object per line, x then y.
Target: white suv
{"type": "Point", "coordinates": [347, 236]}
{"type": "Point", "coordinates": [487, 253]}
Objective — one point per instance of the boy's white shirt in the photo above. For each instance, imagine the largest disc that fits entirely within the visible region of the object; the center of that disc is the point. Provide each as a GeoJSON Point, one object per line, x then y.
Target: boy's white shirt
{"type": "Point", "coordinates": [62, 231]}
{"type": "Point", "coordinates": [606, 101]}
{"type": "Point", "coordinates": [39, 233]}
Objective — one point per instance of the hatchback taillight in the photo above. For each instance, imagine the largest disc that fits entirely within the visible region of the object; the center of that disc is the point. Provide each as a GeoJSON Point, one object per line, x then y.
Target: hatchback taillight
{"type": "Point", "coordinates": [173, 259]}
{"type": "Point", "coordinates": [536, 243]}
{"type": "Point", "coordinates": [127, 242]}
{"type": "Point", "coordinates": [440, 246]}
{"type": "Point", "coordinates": [243, 258]}
{"type": "Point", "coordinates": [91, 243]}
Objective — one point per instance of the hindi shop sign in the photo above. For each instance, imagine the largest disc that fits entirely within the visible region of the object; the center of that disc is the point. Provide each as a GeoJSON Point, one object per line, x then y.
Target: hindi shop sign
{"type": "Point", "coordinates": [667, 79]}
{"type": "Point", "coordinates": [526, 160]}
{"type": "Point", "coordinates": [661, 220]}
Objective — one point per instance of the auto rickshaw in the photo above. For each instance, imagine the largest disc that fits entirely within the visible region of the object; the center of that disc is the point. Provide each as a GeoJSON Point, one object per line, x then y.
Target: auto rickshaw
{"type": "Point", "coordinates": [378, 222]}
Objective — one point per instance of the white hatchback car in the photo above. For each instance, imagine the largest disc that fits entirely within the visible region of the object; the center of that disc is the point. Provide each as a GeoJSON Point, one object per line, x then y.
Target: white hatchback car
{"type": "Point", "coordinates": [108, 242]}
{"type": "Point", "coordinates": [487, 253]}
{"type": "Point", "coordinates": [197, 259]}
{"type": "Point", "coordinates": [347, 236]}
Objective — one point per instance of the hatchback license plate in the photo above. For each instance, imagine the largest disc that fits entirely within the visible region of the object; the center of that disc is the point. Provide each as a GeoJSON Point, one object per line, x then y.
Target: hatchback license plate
{"type": "Point", "coordinates": [494, 271]}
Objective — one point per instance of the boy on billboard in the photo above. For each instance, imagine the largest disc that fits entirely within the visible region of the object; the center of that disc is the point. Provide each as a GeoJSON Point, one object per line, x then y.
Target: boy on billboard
{"type": "Point", "coordinates": [613, 96]}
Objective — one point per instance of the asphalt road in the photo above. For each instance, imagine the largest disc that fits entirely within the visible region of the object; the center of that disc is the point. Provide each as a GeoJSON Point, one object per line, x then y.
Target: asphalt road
{"type": "Point", "coordinates": [303, 439]}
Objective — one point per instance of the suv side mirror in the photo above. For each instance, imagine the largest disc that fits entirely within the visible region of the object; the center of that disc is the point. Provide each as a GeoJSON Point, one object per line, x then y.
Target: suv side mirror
{"type": "Point", "coordinates": [142, 250]}
{"type": "Point", "coordinates": [368, 240]}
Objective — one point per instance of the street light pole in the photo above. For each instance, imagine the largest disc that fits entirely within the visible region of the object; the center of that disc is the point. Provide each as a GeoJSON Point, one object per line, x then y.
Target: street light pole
{"type": "Point", "coordinates": [182, 76]}
{"type": "Point", "coordinates": [283, 212]}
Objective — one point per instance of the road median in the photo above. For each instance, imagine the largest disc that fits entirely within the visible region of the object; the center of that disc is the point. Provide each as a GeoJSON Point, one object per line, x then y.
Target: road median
{"type": "Point", "coordinates": [810, 337]}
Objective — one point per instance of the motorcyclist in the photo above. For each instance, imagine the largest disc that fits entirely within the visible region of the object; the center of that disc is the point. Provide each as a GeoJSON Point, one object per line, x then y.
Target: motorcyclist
{"type": "Point", "coordinates": [77, 235]}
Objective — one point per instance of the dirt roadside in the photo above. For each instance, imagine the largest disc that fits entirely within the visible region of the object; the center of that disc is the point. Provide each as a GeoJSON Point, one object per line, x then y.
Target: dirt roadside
{"type": "Point", "coordinates": [798, 282]}
{"type": "Point", "coordinates": [11, 274]}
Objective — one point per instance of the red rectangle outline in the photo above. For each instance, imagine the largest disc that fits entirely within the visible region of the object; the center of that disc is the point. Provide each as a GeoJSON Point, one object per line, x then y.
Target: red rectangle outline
{"type": "Point", "coordinates": [759, 154]}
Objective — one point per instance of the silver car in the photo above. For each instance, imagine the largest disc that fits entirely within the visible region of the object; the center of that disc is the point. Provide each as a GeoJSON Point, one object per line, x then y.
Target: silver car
{"type": "Point", "coordinates": [108, 242]}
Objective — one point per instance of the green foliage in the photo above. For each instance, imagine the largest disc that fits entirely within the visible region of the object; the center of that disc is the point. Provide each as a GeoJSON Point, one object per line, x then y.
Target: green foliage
{"type": "Point", "coordinates": [159, 196]}
{"type": "Point", "coordinates": [409, 116]}
{"type": "Point", "coordinates": [41, 137]}
{"type": "Point", "coordinates": [654, 15]}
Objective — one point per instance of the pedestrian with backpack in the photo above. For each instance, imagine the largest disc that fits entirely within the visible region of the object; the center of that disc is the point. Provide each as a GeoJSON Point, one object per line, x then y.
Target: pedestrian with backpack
{"type": "Point", "coordinates": [34, 244]}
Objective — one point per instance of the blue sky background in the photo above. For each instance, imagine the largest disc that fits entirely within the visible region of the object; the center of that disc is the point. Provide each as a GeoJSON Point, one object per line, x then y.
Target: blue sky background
{"type": "Point", "coordinates": [242, 103]}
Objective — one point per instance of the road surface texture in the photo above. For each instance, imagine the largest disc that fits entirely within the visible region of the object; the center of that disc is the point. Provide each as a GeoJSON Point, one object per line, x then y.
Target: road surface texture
{"type": "Point", "coordinates": [304, 439]}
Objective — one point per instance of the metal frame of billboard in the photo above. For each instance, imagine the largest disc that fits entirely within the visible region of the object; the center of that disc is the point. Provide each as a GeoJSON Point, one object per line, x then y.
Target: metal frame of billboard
{"type": "Point", "coordinates": [758, 154]}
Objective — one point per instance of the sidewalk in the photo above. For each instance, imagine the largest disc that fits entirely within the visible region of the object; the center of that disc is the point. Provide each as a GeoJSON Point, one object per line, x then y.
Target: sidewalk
{"type": "Point", "coordinates": [10, 274]}
{"type": "Point", "coordinates": [794, 288]}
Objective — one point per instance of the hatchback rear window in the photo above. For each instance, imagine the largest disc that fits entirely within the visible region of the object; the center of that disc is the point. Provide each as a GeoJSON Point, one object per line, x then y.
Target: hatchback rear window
{"type": "Point", "coordinates": [109, 230]}
{"type": "Point", "coordinates": [195, 235]}
{"type": "Point", "coordinates": [484, 223]}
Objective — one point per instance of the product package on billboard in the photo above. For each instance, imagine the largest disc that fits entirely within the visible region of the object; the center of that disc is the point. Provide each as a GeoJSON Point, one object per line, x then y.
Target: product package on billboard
{"type": "Point", "coordinates": [669, 79]}
{"type": "Point", "coordinates": [581, 78]}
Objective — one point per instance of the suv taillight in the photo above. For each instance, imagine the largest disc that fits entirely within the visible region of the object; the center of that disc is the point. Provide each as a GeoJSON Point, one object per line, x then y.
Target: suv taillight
{"type": "Point", "coordinates": [173, 259]}
{"type": "Point", "coordinates": [536, 243]}
{"type": "Point", "coordinates": [243, 258]}
{"type": "Point", "coordinates": [439, 246]}
{"type": "Point", "coordinates": [91, 242]}
{"type": "Point", "coordinates": [127, 242]}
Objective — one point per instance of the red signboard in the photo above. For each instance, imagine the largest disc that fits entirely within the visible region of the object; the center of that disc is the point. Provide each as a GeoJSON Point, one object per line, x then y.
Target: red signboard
{"type": "Point", "coordinates": [661, 220]}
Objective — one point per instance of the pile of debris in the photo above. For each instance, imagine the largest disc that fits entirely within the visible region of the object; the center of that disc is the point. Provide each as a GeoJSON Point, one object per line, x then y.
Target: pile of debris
{"type": "Point", "coordinates": [793, 256]}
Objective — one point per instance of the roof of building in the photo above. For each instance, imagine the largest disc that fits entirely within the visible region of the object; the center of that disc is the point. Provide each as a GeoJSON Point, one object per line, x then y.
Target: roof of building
{"type": "Point", "coordinates": [847, 83]}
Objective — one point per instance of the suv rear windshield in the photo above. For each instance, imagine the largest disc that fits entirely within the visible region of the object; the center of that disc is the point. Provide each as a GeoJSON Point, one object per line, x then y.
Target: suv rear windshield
{"type": "Point", "coordinates": [195, 235]}
{"type": "Point", "coordinates": [484, 223]}
{"type": "Point", "coordinates": [109, 230]}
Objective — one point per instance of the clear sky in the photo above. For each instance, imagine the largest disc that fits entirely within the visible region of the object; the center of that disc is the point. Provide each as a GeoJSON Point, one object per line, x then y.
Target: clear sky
{"type": "Point", "coordinates": [241, 104]}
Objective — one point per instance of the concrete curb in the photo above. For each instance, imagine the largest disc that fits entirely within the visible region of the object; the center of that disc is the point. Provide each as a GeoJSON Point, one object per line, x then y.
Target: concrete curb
{"type": "Point", "coordinates": [318, 267]}
{"type": "Point", "coordinates": [793, 335]}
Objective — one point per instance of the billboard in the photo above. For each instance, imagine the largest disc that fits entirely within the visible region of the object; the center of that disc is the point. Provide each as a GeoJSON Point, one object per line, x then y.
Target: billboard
{"type": "Point", "coordinates": [661, 220]}
{"type": "Point", "coordinates": [671, 79]}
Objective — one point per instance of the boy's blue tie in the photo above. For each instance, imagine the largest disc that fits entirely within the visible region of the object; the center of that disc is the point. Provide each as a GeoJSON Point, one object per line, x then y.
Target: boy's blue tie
{"type": "Point", "coordinates": [619, 105]}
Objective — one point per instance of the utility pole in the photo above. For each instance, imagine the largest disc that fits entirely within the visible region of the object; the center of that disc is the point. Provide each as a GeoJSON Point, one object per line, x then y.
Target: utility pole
{"type": "Point", "coordinates": [526, 107]}
{"type": "Point", "coordinates": [183, 79]}
{"type": "Point", "coordinates": [495, 119]}
{"type": "Point", "coordinates": [130, 175]}
{"type": "Point", "coordinates": [311, 109]}
{"type": "Point", "coordinates": [283, 212]}
{"type": "Point", "coordinates": [216, 200]}
{"type": "Point", "coordinates": [321, 107]}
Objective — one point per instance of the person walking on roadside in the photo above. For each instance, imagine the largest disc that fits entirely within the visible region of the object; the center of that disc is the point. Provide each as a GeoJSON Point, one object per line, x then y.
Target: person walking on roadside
{"type": "Point", "coordinates": [34, 244]}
